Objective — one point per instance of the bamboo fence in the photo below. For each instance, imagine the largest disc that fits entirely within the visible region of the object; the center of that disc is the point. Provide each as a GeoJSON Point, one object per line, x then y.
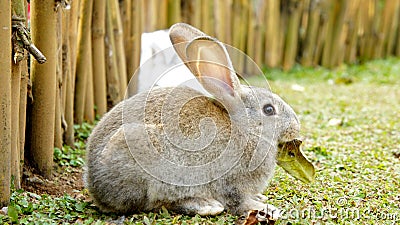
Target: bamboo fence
{"type": "Point", "coordinates": [93, 49]}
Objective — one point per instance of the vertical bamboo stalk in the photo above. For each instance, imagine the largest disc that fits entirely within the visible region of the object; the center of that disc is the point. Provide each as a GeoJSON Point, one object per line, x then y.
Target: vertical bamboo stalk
{"type": "Point", "coordinates": [294, 14]}
{"type": "Point", "coordinates": [259, 33]}
{"type": "Point", "coordinates": [119, 46]}
{"type": "Point", "coordinates": [125, 7]}
{"type": "Point", "coordinates": [43, 24]}
{"type": "Point", "coordinates": [82, 59]}
{"type": "Point", "coordinates": [311, 33]}
{"type": "Point", "coordinates": [18, 14]}
{"type": "Point", "coordinates": [397, 50]}
{"type": "Point", "coordinates": [5, 102]}
{"type": "Point", "coordinates": [174, 12]}
{"type": "Point", "coordinates": [162, 18]}
{"type": "Point", "coordinates": [394, 26]}
{"type": "Point", "coordinates": [326, 54]}
{"type": "Point", "coordinates": [89, 99]}
{"type": "Point", "coordinates": [73, 37]}
{"type": "Point", "coordinates": [15, 97]}
{"type": "Point", "coordinates": [112, 70]}
{"type": "Point", "coordinates": [68, 91]}
{"type": "Point", "coordinates": [59, 83]}
{"type": "Point", "coordinates": [196, 13]}
{"type": "Point", "coordinates": [272, 19]}
{"type": "Point", "coordinates": [98, 55]}
{"type": "Point", "coordinates": [22, 110]}
{"type": "Point", "coordinates": [322, 31]}
{"type": "Point", "coordinates": [220, 20]}
{"type": "Point", "coordinates": [352, 21]}
{"type": "Point", "coordinates": [206, 17]}
{"type": "Point", "coordinates": [136, 35]}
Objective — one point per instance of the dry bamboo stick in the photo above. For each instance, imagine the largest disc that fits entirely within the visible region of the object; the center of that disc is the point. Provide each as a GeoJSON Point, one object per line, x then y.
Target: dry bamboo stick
{"type": "Point", "coordinates": [125, 7]}
{"type": "Point", "coordinates": [352, 22]}
{"type": "Point", "coordinates": [112, 70]}
{"type": "Point", "coordinates": [162, 18]}
{"type": "Point", "coordinates": [327, 49]}
{"type": "Point", "coordinates": [68, 83]}
{"type": "Point", "coordinates": [174, 12]}
{"type": "Point", "coordinates": [73, 36]}
{"type": "Point", "coordinates": [311, 33]}
{"type": "Point", "coordinates": [43, 29]}
{"type": "Point", "coordinates": [89, 95]}
{"type": "Point", "coordinates": [272, 33]}
{"type": "Point", "coordinates": [119, 46]}
{"type": "Point", "coordinates": [98, 57]}
{"type": "Point", "coordinates": [82, 59]}
{"type": "Point", "coordinates": [136, 35]}
{"type": "Point", "coordinates": [58, 134]}
{"type": "Point", "coordinates": [259, 33]}
{"type": "Point", "coordinates": [390, 42]}
{"type": "Point", "coordinates": [322, 31]}
{"type": "Point", "coordinates": [5, 103]}
{"type": "Point", "coordinates": [289, 57]}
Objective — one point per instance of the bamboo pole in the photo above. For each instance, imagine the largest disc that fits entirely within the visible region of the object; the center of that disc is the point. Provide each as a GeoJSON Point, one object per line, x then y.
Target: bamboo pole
{"type": "Point", "coordinates": [119, 46]}
{"type": "Point", "coordinates": [22, 110]}
{"type": "Point", "coordinates": [43, 28]}
{"type": "Point", "coordinates": [220, 21]}
{"type": "Point", "coordinates": [311, 33]}
{"type": "Point", "coordinates": [73, 37]}
{"type": "Point", "coordinates": [353, 24]}
{"type": "Point", "coordinates": [272, 33]}
{"type": "Point", "coordinates": [195, 13]}
{"type": "Point", "coordinates": [58, 134]}
{"type": "Point", "coordinates": [162, 18]}
{"type": "Point", "coordinates": [390, 42]}
{"type": "Point", "coordinates": [113, 84]}
{"type": "Point", "coordinates": [294, 14]}
{"type": "Point", "coordinates": [82, 59]}
{"type": "Point", "coordinates": [397, 50]}
{"type": "Point", "coordinates": [207, 24]}
{"type": "Point", "coordinates": [259, 33]}
{"type": "Point", "coordinates": [125, 7]}
{"type": "Point", "coordinates": [174, 12]}
{"type": "Point", "coordinates": [89, 115]}
{"type": "Point", "coordinates": [5, 102]}
{"type": "Point", "coordinates": [68, 90]}
{"type": "Point", "coordinates": [136, 36]}
{"type": "Point", "coordinates": [18, 17]}
{"type": "Point", "coordinates": [98, 55]}
{"type": "Point", "coordinates": [322, 31]}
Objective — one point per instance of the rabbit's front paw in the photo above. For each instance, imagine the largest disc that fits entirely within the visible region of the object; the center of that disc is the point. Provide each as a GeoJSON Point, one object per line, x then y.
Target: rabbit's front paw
{"type": "Point", "coordinates": [260, 198]}
{"type": "Point", "coordinates": [201, 206]}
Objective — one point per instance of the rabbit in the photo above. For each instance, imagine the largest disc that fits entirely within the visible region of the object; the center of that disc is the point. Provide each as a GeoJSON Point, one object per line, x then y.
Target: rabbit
{"type": "Point", "coordinates": [176, 148]}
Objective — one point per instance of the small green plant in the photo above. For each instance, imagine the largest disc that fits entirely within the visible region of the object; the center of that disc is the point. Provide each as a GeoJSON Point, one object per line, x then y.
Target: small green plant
{"type": "Point", "coordinates": [68, 156]}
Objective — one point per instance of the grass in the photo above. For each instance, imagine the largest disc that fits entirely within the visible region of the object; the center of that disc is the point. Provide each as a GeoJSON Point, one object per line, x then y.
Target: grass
{"type": "Point", "coordinates": [351, 130]}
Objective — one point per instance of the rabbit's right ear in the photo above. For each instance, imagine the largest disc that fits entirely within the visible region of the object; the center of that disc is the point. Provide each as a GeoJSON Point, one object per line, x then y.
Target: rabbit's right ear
{"type": "Point", "coordinates": [181, 34]}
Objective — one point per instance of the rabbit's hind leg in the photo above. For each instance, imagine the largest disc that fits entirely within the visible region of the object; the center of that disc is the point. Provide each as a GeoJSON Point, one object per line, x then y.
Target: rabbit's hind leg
{"type": "Point", "coordinates": [196, 205]}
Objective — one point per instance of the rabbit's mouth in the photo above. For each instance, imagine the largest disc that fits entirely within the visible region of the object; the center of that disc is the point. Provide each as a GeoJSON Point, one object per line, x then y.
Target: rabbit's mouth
{"type": "Point", "coordinates": [292, 160]}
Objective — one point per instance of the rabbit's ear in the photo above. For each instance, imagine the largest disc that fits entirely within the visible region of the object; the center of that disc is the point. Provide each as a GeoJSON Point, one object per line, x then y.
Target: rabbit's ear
{"type": "Point", "coordinates": [181, 34]}
{"type": "Point", "coordinates": [209, 61]}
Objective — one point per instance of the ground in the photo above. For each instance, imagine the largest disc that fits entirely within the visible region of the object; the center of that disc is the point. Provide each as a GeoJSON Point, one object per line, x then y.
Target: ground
{"type": "Point", "coordinates": [351, 132]}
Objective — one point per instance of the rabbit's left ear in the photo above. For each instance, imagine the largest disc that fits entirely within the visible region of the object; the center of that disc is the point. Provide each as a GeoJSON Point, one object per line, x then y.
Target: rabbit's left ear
{"type": "Point", "coordinates": [209, 61]}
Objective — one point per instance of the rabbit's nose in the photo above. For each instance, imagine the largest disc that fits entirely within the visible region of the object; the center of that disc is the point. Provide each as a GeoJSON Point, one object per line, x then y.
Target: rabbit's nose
{"type": "Point", "coordinates": [292, 131]}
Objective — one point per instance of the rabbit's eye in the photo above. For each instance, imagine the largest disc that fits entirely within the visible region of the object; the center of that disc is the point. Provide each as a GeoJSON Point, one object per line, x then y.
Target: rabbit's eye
{"type": "Point", "coordinates": [269, 110]}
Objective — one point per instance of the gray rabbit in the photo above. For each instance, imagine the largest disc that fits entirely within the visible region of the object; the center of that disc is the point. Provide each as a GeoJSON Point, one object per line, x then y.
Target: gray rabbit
{"type": "Point", "coordinates": [191, 153]}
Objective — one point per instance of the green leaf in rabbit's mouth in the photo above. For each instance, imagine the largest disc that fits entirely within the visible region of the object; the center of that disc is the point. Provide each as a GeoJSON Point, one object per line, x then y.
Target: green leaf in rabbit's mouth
{"type": "Point", "coordinates": [292, 160]}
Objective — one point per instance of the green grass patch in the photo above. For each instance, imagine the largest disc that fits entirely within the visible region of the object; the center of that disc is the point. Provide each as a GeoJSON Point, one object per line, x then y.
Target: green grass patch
{"type": "Point", "coordinates": [351, 130]}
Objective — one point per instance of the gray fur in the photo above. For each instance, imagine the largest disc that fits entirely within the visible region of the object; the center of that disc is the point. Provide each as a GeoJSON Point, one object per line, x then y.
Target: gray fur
{"type": "Point", "coordinates": [136, 126]}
